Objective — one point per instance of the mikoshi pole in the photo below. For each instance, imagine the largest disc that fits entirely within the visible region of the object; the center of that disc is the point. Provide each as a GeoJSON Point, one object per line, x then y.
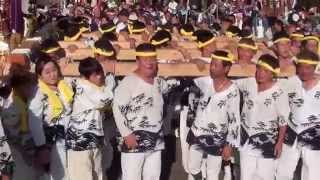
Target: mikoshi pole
{"type": "Point", "coordinates": [16, 17]}
{"type": "Point", "coordinates": [188, 9]}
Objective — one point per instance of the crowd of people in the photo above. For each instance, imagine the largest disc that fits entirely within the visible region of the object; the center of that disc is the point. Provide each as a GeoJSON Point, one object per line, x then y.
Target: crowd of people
{"type": "Point", "coordinates": [100, 125]}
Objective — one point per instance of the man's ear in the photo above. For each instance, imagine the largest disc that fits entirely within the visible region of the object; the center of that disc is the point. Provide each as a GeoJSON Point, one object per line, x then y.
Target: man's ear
{"type": "Point", "coordinates": [227, 69]}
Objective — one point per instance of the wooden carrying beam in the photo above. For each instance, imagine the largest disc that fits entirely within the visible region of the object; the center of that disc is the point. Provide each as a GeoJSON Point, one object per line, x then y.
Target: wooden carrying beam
{"type": "Point", "coordinates": [66, 44]}
{"type": "Point", "coordinates": [129, 54]}
{"type": "Point", "coordinates": [172, 69]}
{"type": "Point", "coordinates": [79, 54]}
{"type": "Point", "coordinates": [188, 44]}
{"type": "Point", "coordinates": [163, 54]}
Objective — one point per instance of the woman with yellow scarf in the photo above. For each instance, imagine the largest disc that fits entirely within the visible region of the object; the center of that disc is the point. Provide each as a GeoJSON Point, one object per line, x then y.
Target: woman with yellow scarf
{"type": "Point", "coordinates": [49, 112]}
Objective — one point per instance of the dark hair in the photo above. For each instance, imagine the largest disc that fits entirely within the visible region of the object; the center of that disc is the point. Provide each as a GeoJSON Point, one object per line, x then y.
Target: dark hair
{"type": "Point", "coordinates": [110, 36]}
{"type": "Point", "coordinates": [79, 20]}
{"type": "Point", "coordinates": [161, 35]}
{"type": "Point", "coordinates": [52, 43]}
{"type": "Point", "coordinates": [124, 12]}
{"type": "Point", "coordinates": [72, 30]}
{"type": "Point", "coordinates": [222, 53]}
{"type": "Point", "coordinates": [167, 26]}
{"type": "Point", "coordinates": [61, 53]}
{"type": "Point", "coordinates": [234, 29]}
{"type": "Point", "coordinates": [281, 34]}
{"type": "Point", "coordinates": [49, 43]}
{"type": "Point", "coordinates": [245, 33]}
{"type": "Point", "coordinates": [104, 44]}
{"type": "Point", "coordinates": [37, 54]}
{"type": "Point", "coordinates": [309, 55]}
{"type": "Point", "coordinates": [247, 41]}
{"type": "Point", "coordinates": [42, 62]}
{"type": "Point", "coordinates": [187, 27]}
{"type": "Point", "coordinates": [226, 64]}
{"type": "Point", "coordinates": [146, 47]}
{"type": "Point", "coordinates": [270, 60]}
{"type": "Point", "coordinates": [63, 23]}
{"type": "Point", "coordinates": [88, 66]}
{"type": "Point", "coordinates": [108, 25]}
{"type": "Point", "coordinates": [20, 80]}
{"type": "Point", "coordinates": [279, 22]}
{"type": "Point", "coordinates": [203, 35]}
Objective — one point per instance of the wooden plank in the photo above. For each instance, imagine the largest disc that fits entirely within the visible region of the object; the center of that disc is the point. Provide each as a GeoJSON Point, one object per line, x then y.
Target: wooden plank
{"type": "Point", "coordinates": [129, 54]}
{"type": "Point", "coordinates": [80, 54]}
{"type": "Point", "coordinates": [163, 54]}
{"type": "Point", "coordinates": [242, 71]}
{"type": "Point", "coordinates": [188, 44]}
{"type": "Point", "coordinates": [122, 44]}
{"type": "Point", "coordinates": [194, 53]}
{"type": "Point", "coordinates": [126, 54]}
{"type": "Point", "coordinates": [79, 44]}
{"type": "Point", "coordinates": [71, 69]}
{"type": "Point", "coordinates": [172, 69]}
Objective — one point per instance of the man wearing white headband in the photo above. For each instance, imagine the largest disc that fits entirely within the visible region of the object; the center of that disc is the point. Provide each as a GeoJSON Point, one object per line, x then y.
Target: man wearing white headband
{"type": "Point", "coordinates": [215, 130]}
{"type": "Point", "coordinates": [264, 116]}
{"type": "Point", "coordinates": [138, 110]}
{"type": "Point", "coordinates": [302, 139]}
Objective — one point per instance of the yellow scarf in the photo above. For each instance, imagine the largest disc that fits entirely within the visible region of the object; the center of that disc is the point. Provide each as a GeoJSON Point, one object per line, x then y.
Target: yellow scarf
{"type": "Point", "coordinates": [23, 124]}
{"type": "Point", "coordinates": [55, 102]}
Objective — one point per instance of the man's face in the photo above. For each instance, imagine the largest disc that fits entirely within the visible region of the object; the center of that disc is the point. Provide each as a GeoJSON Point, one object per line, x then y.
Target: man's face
{"type": "Point", "coordinates": [283, 49]}
{"type": "Point", "coordinates": [291, 29]}
{"type": "Point", "coordinates": [97, 78]}
{"type": "Point", "coordinates": [295, 47]}
{"type": "Point", "coordinates": [148, 66]}
{"type": "Point", "coordinates": [312, 46]}
{"type": "Point", "coordinates": [217, 69]}
{"type": "Point", "coordinates": [277, 27]}
{"type": "Point", "coordinates": [263, 75]}
{"type": "Point", "coordinates": [305, 71]}
{"type": "Point", "coordinates": [245, 54]}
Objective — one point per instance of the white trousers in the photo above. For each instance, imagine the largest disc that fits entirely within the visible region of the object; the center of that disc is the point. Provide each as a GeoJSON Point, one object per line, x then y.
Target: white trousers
{"type": "Point", "coordinates": [212, 164]}
{"type": "Point", "coordinates": [256, 168]}
{"type": "Point", "coordinates": [85, 165]}
{"type": "Point", "coordinates": [141, 166]}
{"type": "Point", "coordinates": [289, 160]}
